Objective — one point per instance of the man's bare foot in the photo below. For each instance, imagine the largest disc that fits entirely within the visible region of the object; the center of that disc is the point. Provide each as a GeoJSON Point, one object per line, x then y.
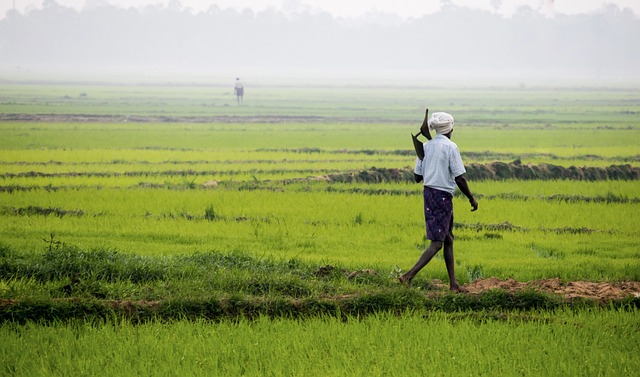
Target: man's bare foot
{"type": "Point", "coordinates": [458, 289]}
{"type": "Point", "coordinates": [405, 281]}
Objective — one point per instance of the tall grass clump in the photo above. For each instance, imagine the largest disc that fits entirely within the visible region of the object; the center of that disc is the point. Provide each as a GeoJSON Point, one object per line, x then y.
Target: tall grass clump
{"type": "Point", "coordinates": [210, 213]}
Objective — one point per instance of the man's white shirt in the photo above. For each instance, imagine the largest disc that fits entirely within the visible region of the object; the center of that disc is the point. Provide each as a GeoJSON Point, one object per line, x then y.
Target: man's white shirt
{"type": "Point", "coordinates": [442, 163]}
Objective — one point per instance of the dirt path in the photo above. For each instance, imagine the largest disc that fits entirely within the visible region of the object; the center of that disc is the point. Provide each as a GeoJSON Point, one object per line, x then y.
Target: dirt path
{"type": "Point", "coordinates": [90, 118]}
{"type": "Point", "coordinates": [581, 289]}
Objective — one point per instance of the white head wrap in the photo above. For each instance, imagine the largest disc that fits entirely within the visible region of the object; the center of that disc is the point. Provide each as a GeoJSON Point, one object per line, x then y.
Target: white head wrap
{"type": "Point", "coordinates": [442, 123]}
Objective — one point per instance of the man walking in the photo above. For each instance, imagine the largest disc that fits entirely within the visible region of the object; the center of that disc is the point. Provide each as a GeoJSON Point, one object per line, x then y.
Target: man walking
{"type": "Point", "coordinates": [238, 89]}
{"type": "Point", "coordinates": [441, 170]}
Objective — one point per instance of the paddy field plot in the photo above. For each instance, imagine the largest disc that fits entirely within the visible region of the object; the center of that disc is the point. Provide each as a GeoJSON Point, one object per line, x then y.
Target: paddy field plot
{"type": "Point", "coordinates": [297, 208]}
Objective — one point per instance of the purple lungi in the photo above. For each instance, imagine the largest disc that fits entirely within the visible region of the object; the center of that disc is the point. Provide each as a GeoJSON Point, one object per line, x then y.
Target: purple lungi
{"type": "Point", "coordinates": [438, 213]}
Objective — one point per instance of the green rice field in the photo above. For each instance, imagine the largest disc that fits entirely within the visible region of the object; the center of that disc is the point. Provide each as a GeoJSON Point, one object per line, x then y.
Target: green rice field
{"type": "Point", "coordinates": [163, 229]}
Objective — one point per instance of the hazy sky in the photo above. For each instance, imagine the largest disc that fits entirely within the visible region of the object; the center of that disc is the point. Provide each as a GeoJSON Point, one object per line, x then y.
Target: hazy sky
{"type": "Point", "coordinates": [343, 8]}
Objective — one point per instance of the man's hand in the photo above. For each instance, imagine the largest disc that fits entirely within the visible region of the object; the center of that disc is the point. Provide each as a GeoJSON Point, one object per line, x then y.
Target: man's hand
{"type": "Point", "coordinates": [474, 204]}
{"type": "Point", "coordinates": [464, 187]}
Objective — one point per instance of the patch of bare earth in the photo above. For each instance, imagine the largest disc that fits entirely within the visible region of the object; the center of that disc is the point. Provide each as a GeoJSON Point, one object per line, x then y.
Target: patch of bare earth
{"type": "Point", "coordinates": [602, 291]}
{"type": "Point", "coordinates": [88, 118]}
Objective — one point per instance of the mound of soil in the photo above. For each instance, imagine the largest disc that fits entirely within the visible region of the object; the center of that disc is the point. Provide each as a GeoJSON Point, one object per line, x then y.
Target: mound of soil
{"type": "Point", "coordinates": [497, 171]}
{"type": "Point", "coordinates": [574, 289]}
{"type": "Point", "coordinates": [516, 170]}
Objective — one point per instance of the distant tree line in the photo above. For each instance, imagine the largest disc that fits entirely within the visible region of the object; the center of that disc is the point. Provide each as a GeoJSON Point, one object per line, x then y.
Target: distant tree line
{"type": "Point", "coordinates": [453, 39]}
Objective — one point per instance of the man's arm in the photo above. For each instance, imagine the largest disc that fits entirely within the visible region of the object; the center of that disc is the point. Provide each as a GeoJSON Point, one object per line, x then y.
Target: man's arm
{"type": "Point", "coordinates": [417, 170]}
{"type": "Point", "coordinates": [464, 187]}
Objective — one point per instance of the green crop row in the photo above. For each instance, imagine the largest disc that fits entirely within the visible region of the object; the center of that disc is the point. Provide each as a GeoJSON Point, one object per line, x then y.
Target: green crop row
{"type": "Point", "coordinates": [590, 239]}
{"type": "Point", "coordinates": [470, 344]}
{"type": "Point", "coordinates": [135, 142]}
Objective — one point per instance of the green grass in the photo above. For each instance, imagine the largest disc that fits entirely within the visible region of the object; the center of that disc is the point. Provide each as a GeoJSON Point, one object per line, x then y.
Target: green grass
{"type": "Point", "coordinates": [571, 142]}
{"type": "Point", "coordinates": [321, 222]}
{"type": "Point", "coordinates": [414, 345]}
{"type": "Point", "coordinates": [115, 258]}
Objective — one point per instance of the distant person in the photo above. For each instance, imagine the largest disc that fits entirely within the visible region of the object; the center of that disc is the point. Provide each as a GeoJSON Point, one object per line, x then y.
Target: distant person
{"type": "Point", "coordinates": [441, 170]}
{"type": "Point", "coordinates": [239, 90]}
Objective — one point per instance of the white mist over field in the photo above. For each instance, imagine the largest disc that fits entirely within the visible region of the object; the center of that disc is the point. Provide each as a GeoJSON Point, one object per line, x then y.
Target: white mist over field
{"type": "Point", "coordinates": [537, 40]}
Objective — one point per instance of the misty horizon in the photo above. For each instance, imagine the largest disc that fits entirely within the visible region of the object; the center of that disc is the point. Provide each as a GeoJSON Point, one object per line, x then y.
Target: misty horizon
{"type": "Point", "coordinates": [453, 42]}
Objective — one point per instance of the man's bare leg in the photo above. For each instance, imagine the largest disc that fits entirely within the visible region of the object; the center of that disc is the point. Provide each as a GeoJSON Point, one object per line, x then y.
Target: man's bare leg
{"type": "Point", "coordinates": [433, 248]}
{"type": "Point", "coordinates": [450, 263]}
